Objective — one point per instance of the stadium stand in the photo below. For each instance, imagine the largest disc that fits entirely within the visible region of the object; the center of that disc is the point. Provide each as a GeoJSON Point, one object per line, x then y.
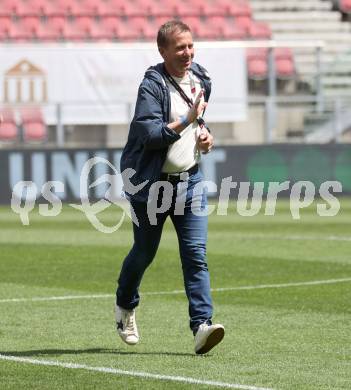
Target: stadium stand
{"type": "Point", "coordinates": [30, 19]}
{"type": "Point", "coordinates": [138, 20]}
{"type": "Point", "coordinates": [312, 20]}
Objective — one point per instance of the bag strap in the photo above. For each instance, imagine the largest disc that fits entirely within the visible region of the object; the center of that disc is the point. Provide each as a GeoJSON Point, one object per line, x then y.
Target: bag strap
{"type": "Point", "coordinates": [185, 97]}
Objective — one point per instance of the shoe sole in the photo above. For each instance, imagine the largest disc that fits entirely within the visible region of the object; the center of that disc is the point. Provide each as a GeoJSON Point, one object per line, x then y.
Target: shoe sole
{"type": "Point", "coordinates": [131, 343]}
{"type": "Point", "coordinates": [212, 340]}
{"type": "Point", "coordinates": [128, 342]}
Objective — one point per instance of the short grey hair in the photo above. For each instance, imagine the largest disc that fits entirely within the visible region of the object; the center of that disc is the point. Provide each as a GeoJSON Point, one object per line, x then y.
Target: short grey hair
{"type": "Point", "coordinates": [168, 29]}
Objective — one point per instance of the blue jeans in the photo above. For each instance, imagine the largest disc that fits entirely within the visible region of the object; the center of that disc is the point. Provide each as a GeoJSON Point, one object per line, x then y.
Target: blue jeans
{"type": "Point", "coordinates": [192, 237]}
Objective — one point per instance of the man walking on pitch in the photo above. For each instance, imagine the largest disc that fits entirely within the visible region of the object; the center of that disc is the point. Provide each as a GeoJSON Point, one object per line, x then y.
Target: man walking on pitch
{"type": "Point", "coordinates": [165, 141]}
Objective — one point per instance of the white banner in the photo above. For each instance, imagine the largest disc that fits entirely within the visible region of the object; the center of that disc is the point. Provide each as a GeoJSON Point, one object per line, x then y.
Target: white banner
{"type": "Point", "coordinates": [97, 84]}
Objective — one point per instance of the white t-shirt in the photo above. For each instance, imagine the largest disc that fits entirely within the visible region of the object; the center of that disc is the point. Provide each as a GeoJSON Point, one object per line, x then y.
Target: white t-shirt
{"type": "Point", "coordinates": [184, 153]}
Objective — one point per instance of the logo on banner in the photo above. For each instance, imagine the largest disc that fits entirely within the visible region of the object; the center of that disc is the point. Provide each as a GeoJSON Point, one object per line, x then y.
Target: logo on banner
{"type": "Point", "coordinates": [25, 83]}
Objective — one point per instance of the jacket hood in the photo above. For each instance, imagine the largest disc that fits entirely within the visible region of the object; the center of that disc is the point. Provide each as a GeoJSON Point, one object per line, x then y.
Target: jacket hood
{"type": "Point", "coordinates": [155, 73]}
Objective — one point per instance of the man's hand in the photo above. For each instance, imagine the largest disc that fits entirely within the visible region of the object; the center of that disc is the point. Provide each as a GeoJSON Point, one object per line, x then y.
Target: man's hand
{"type": "Point", "coordinates": [198, 107]}
{"type": "Point", "coordinates": [205, 141]}
{"type": "Point", "coordinates": [194, 112]}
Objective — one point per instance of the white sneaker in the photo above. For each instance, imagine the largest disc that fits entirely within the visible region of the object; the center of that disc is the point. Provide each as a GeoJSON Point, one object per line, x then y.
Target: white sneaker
{"type": "Point", "coordinates": [207, 337]}
{"type": "Point", "coordinates": [126, 325]}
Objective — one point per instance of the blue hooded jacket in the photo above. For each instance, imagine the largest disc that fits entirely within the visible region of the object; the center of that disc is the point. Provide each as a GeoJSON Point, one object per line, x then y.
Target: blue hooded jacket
{"type": "Point", "coordinates": [149, 137]}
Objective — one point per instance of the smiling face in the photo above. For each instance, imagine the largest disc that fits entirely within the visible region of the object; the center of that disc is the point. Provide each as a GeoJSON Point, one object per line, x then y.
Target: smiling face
{"type": "Point", "coordinates": [178, 53]}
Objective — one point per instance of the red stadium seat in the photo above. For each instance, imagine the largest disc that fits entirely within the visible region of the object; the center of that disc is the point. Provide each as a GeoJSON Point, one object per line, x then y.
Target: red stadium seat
{"type": "Point", "coordinates": [145, 29]}
{"type": "Point", "coordinates": [110, 26]}
{"type": "Point", "coordinates": [16, 32]}
{"type": "Point", "coordinates": [120, 29]}
{"type": "Point", "coordinates": [227, 29]}
{"type": "Point", "coordinates": [39, 8]}
{"type": "Point", "coordinates": [31, 114]}
{"type": "Point", "coordinates": [182, 9]}
{"type": "Point", "coordinates": [34, 128]}
{"type": "Point", "coordinates": [216, 21]}
{"type": "Point", "coordinates": [99, 32]}
{"type": "Point", "coordinates": [204, 30]}
{"type": "Point", "coordinates": [257, 63]}
{"type": "Point", "coordinates": [87, 28]}
{"type": "Point", "coordinates": [78, 29]}
{"type": "Point", "coordinates": [66, 7]}
{"type": "Point", "coordinates": [30, 22]}
{"type": "Point", "coordinates": [55, 27]}
{"type": "Point", "coordinates": [259, 30]}
{"type": "Point", "coordinates": [82, 28]}
{"type": "Point", "coordinates": [235, 8]}
{"type": "Point", "coordinates": [234, 32]}
{"type": "Point", "coordinates": [5, 26]}
{"type": "Point", "coordinates": [284, 63]}
{"type": "Point", "coordinates": [13, 7]}
{"type": "Point", "coordinates": [210, 9]}
{"type": "Point", "coordinates": [8, 128]}
{"type": "Point", "coordinates": [159, 20]}
{"type": "Point", "coordinates": [196, 8]}
{"type": "Point", "coordinates": [167, 10]}
{"type": "Point", "coordinates": [8, 7]}
{"type": "Point", "coordinates": [283, 53]}
{"type": "Point", "coordinates": [345, 6]}
{"type": "Point", "coordinates": [125, 8]}
{"type": "Point", "coordinates": [8, 132]}
{"type": "Point", "coordinates": [243, 21]}
{"type": "Point", "coordinates": [285, 68]}
{"type": "Point", "coordinates": [84, 22]}
{"type": "Point", "coordinates": [257, 69]}
{"type": "Point", "coordinates": [258, 52]}
{"type": "Point", "coordinates": [34, 132]}
{"type": "Point", "coordinates": [125, 33]}
{"type": "Point", "coordinates": [255, 30]}
{"type": "Point", "coordinates": [194, 23]}
{"type": "Point", "coordinates": [46, 33]}
{"type": "Point", "coordinates": [116, 28]}
{"type": "Point", "coordinates": [93, 8]}
{"type": "Point", "coordinates": [172, 9]}
{"type": "Point", "coordinates": [57, 22]}
{"type": "Point", "coordinates": [32, 28]}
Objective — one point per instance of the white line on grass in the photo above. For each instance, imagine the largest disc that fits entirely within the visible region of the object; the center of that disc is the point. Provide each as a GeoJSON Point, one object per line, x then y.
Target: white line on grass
{"type": "Point", "coordinates": [174, 292]}
{"type": "Point", "coordinates": [259, 286]}
{"type": "Point", "coordinates": [116, 371]}
{"type": "Point", "coordinates": [264, 236]}
{"type": "Point", "coordinates": [59, 298]}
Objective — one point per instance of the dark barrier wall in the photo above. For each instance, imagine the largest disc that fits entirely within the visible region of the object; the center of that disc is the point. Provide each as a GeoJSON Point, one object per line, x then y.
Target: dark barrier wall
{"type": "Point", "coordinates": [273, 163]}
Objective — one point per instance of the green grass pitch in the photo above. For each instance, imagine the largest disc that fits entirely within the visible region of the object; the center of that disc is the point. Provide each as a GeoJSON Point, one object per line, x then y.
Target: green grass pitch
{"type": "Point", "coordinates": [277, 337]}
